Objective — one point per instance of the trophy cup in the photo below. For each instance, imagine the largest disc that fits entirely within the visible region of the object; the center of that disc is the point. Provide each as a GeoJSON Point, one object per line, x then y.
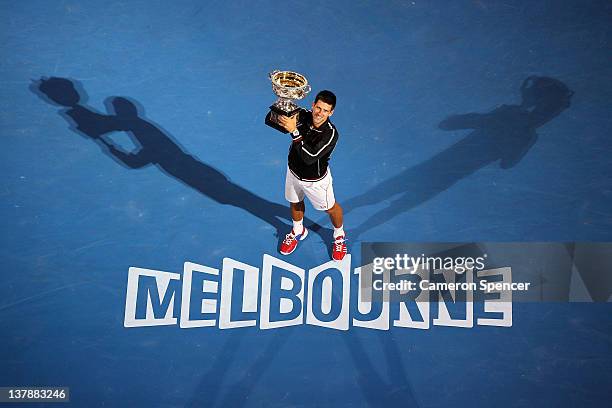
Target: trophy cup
{"type": "Point", "coordinates": [287, 85]}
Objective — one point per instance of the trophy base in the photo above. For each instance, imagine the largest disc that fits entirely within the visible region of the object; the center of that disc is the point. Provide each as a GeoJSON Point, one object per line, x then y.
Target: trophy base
{"type": "Point", "coordinates": [272, 117]}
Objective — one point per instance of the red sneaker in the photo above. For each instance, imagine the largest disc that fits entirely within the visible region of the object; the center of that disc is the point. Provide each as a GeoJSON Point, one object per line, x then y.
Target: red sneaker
{"type": "Point", "coordinates": [339, 248]}
{"type": "Point", "coordinates": [291, 241]}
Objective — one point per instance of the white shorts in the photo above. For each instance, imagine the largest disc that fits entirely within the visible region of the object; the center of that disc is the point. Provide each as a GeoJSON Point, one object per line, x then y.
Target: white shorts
{"type": "Point", "coordinates": [320, 193]}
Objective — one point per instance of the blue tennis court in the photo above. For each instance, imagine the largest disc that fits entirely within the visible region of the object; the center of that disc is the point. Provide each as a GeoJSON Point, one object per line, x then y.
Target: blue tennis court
{"type": "Point", "coordinates": [134, 137]}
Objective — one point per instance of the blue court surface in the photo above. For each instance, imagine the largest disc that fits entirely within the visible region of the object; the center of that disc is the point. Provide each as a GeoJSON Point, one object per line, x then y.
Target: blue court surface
{"type": "Point", "coordinates": [133, 137]}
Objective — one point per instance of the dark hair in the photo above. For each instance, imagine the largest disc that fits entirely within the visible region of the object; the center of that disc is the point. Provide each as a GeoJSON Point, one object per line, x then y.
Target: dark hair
{"type": "Point", "coordinates": [328, 97]}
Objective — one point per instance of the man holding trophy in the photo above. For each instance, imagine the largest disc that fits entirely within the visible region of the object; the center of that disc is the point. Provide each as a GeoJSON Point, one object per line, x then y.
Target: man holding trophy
{"type": "Point", "coordinates": [313, 140]}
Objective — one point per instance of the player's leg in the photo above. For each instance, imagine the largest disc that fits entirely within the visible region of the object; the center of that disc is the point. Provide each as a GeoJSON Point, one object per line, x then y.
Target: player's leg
{"type": "Point", "coordinates": [336, 217]}
{"type": "Point", "coordinates": [295, 195]}
{"type": "Point", "coordinates": [297, 215]}
{"type": "Point", "coordinates": [339, 248]}
{"type": "Point", "coordinates": [321, 195]}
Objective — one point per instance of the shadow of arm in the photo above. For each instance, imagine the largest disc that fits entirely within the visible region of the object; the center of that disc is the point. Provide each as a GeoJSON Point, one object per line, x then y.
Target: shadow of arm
{"type": "Point", "coordinates": [131, 160]}
{"type": "Point", "coordinates": [467, 121]}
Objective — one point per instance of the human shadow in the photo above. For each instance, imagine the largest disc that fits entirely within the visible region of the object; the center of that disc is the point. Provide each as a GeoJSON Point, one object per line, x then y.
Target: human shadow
{"type": "Point", "coordinates": [217, 387]}
{"type": "Point", "coordinates": [242, 387]}
{"type": "Point", "coordinates": [388, 388]}
{"type": "Point", "coordinates": [156, 147]}
{"type": "Point", "coordinates": [505, 134]}
{"type": "Point", "coordinates": [377, 391]}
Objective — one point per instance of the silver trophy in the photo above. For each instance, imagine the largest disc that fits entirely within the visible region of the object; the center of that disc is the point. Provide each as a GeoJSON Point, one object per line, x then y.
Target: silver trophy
{"type": "Point", "coordinates": [288, 86]}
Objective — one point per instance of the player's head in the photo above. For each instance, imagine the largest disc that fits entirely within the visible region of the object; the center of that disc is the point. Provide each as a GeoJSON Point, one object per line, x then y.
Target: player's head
{"type": "Point", "coordinates": [544, 98]}
{"type": "Point", "coordinates": [544, 93]}
{"type": "Point", "coordinates": [323, 107]}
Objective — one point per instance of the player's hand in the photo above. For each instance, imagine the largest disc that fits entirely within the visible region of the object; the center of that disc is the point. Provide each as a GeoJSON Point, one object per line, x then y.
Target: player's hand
{"type": "Point", "coordinates": [289, 123]}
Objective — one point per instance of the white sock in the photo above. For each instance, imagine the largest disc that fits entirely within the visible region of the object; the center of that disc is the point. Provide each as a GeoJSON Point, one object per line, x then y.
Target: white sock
{"type": "Point", "coordinates": [298, 226]}
{"type": "Point", "coordinates": [339, 231]}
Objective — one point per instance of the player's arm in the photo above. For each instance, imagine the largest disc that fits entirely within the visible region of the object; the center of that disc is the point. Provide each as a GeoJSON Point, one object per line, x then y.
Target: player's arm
{"type": "Point", "coordinates": [466, 121]}
{"type": "Point", "coordinates": [291, 125]}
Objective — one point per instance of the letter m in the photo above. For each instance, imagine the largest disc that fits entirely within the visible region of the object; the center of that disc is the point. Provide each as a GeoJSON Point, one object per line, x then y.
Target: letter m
{"type": "Point", "coordinates": [151, 298]}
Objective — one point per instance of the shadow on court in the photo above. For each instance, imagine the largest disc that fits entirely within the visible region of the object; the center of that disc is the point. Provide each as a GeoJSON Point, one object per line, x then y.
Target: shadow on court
{"type": "Point", "coordinates": [505, 134]}
{"type": "Point", "coordinates": [378, 391]}
{"type": "Point", "coordinates": [156, 147]}
{"type": "Point", "coordinates": [219, 388]}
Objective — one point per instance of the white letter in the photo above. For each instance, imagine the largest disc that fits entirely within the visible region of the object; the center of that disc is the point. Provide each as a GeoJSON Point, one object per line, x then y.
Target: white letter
{"type": "Point", "coordinates": [444, 318]}
{"type": "Point", "coordinates": [207, 305]}
{"type": "Point", "coordinates": [249, 295]}
{"type": "Point", "coordinates": [286, 304]}
{"type": "Point", "coordinates": [327, 292]}
{"type": "Point", "coordinates": [162, 281]}
{"type": "Point", "coordinates": [378, 265]}
{"type": "Point", "coordinates": [502, 305]}
{"type": "Point", "coordinates": [364, 299]}
{"type": "Point", "coordinates": [422, 302]}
